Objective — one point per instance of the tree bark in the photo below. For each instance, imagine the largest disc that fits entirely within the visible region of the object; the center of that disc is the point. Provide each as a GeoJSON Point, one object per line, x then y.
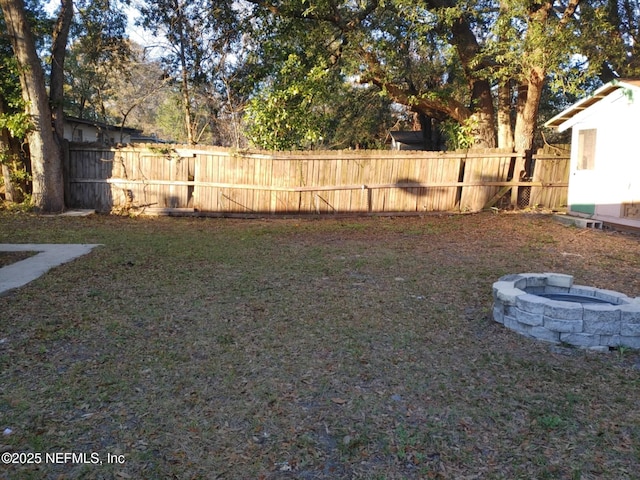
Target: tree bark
{"type": "Point", "coordinates": [467, 46]}
{"type": "Point", "coordinates": [529, 94]}
{"type": "Point", "coordinates": [530, 89]}
{"type": "Point", "coordinates": [11, 193]}
{"type": "Point", "coordinates": [46, 158]}
{"type": "Point", "coordinates": [483, 116]}
{"type": "Point", "coordinates": [186, 96]}
{"type": "Point", "coordinates": [505, 130]}
{"type": "Point", "coordinates": [58, 52]}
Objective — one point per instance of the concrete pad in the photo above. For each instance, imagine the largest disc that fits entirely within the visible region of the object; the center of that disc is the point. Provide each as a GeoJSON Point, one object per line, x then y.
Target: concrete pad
{"type": "Point", "coordinates": [78, 213]}
{"type": "Point", "coordinates": [51, 255]}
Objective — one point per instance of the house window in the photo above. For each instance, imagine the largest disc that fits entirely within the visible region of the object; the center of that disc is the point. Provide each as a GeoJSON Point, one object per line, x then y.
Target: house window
{"type": "Point", "coordinates": [587, 149]}
{"type": "Point", "coordinates": [77, 135]}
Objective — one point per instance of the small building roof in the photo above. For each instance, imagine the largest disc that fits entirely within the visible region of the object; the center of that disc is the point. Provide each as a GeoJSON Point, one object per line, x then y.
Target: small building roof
{"type": "Point", "coordinates": [102, 125]}
{"type": "Point", "coordinates": [599, 94]}
{"type": "Point", "coordinates": [407, 140]}
{"type": "Point", "coordinates": [407, 137]}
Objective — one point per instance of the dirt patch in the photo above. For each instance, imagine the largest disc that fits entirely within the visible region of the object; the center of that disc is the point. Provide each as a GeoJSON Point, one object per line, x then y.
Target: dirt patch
{"type": "Point", "coordinates": [311, 349]}
{"type": "Point", "coordinates": [7, 258]}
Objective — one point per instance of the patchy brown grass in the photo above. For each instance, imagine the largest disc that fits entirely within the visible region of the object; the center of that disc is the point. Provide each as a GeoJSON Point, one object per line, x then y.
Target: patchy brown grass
{"type": "Point", "coordinates": [310, 349]}
{"type": "Point", "coordinates": [7, 258]}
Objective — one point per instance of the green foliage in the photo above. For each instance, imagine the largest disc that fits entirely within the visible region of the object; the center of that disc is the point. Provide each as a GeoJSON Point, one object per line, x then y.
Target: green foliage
{"type": "Point", "coordinates": [169, 119]}
{"type": "Point", "coordinates": [439, 58]}
{"type": "Point", "coordinates": [550, 421]}
{"type": "Point", "coordinates": [18, 124]}
{"type": "Point", "coordinates": [203, 48]}
{"type": "Point", "coordinates": [19, 177]}
{"type": "Point", "coordinates": [610, 37]}
{"type": "Point", "coordinates": [288, 114]}
{"type": "Point", "coordinates": [98, 58]}
{"type": "Point", "coordinates": [361, 118]}
{"type": "Point", "coordinates": [24, 206]}
{"type": "Point", "coordinates": [12, 111]}
{"type": "Point", "coordinates": [13, 120]}
{"type": "Point", "coordinates": [458, 136]}
{"type": "Point", "coordinates": [293, 56]}
{"type": "Point", "coordinates": [313, 106]}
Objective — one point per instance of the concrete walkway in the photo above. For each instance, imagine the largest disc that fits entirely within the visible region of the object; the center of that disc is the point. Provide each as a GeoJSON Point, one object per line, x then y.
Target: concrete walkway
{"type": "Point", "coordinates": [51, 255]}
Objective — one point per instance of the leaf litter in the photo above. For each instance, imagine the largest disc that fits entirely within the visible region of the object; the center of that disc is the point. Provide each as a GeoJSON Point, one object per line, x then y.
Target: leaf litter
{"type": "Point", "coordinates": [302, 348]}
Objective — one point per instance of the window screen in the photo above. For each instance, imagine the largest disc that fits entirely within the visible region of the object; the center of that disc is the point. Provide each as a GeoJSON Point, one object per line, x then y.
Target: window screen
{"type": "Point", "coordinates": [587, 149]}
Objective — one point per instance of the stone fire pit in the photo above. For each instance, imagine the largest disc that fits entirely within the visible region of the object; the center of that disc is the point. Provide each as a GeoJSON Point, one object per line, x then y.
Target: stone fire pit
{"type": "Point", "coordinates": [549, 307]}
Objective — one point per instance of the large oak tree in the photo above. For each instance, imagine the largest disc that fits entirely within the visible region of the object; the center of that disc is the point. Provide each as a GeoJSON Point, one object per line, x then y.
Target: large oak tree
{"type": "Point", "coordinates": [480, 63]}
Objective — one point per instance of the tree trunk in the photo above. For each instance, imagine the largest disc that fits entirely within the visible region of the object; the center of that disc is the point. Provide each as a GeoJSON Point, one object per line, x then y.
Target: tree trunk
{"type": "Point", "coordinates": [529, 94]}
{"type": "Point", "coordinates": [11, 193]}
{"type": "Point", "coordinates": [11, 190]}
{"type": "Point", "coordinates": [424, 123]}
{"type": "Point", "coordinates": [505, 130]}
{"type": "Point", "coordinates": [483, 117]}
{"type": "Point", "coordinates": [186, 102]}
{"type": "Point", "coordinates": [186, 97]}
{"type": "Point", "coordinates": [58, 52]}
{"type": "Point", "coordinates": [46, 157]}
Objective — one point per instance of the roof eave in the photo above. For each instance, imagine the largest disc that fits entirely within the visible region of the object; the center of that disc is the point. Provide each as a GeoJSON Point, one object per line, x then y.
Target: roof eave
{"type": "Point", "coordinates": [562, 120]}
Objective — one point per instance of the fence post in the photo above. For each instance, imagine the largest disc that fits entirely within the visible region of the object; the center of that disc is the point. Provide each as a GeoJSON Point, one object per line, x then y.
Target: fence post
{"type": "Point", "coordinates": [519, 173]}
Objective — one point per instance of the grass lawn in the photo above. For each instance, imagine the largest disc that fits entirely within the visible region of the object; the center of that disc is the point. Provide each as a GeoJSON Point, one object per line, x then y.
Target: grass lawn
{"type": "Point", "coordinates": [310, 349]}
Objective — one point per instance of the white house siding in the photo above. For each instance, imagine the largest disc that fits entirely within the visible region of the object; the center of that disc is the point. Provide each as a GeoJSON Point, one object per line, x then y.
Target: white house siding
{"type": "Point", "coordinates": [75, 132]}
{"type": "Point", "coordinates": [611, 191]}
{"type": "Point", "coordinates": [620, 158]}
{"type": "Point", "coordinates": [83, 131]}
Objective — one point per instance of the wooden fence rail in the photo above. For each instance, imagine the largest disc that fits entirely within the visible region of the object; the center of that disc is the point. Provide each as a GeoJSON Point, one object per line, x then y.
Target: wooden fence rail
{"type": "Point", "coordinates": [226, 181]}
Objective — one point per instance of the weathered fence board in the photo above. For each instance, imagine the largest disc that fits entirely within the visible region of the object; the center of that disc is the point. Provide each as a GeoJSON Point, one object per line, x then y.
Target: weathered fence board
{"type": "Point", "coordinates": [484, 169]}
{"type": "Point", "coordinates": [211, 179]}
{"type": "Point", "coordinates": [551, 167]}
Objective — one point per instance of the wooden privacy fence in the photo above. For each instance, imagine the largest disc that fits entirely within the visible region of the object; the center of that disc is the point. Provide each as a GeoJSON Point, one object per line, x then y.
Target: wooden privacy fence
{"type": "Point", "coordinates": [218, 180]}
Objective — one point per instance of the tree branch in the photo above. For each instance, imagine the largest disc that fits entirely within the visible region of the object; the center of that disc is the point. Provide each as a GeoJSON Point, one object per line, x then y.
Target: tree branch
{"type": "Point", "coordinates": [334, 16]}
{"type": "Point", "coordinates": [432, 107]}
{"type": "Point", "coordinates": [569, 10]}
